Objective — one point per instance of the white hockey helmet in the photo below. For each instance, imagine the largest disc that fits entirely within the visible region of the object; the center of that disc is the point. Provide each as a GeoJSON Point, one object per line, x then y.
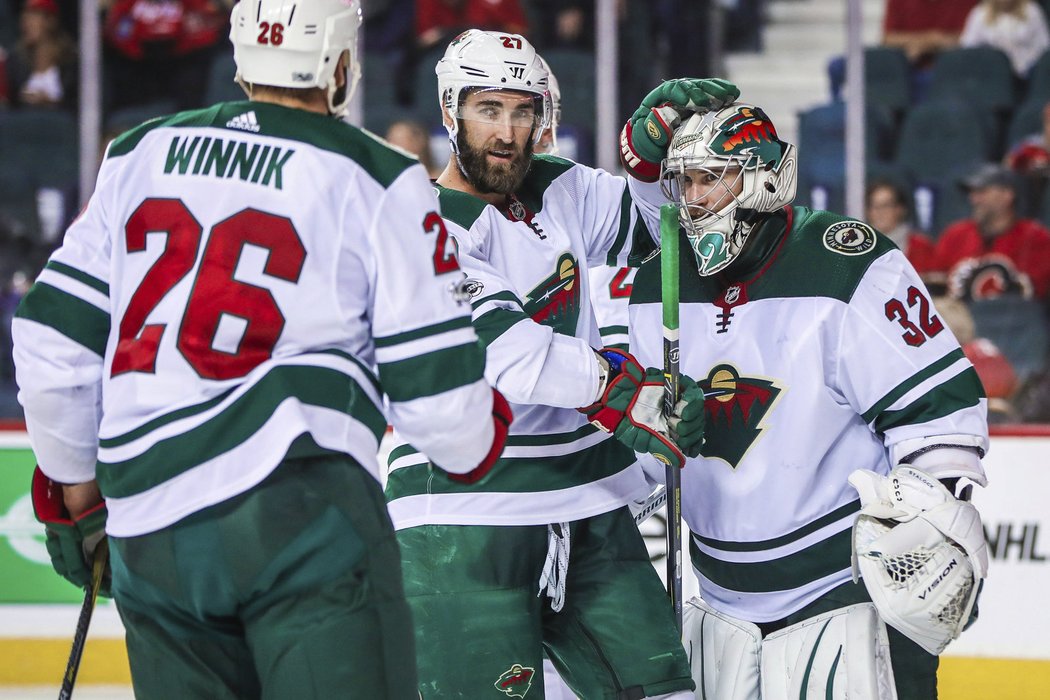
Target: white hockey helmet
{"type": "Point", "coordinates": [737, 144]}
{"type": "Point", "coordinates": [552, 84]}
{"type": "Point", "coordinates": [495, 61]}
{"type": "Point", "coordinates": [284, 43]}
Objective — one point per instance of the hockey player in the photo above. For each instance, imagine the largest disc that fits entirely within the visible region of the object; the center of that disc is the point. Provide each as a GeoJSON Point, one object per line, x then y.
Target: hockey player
{"type": "Point", "coordinates": [200, 350]}
{"type": "Point", "coordinates": [826, 373]}
{"type": "Point", "coordinates": [542, 553]}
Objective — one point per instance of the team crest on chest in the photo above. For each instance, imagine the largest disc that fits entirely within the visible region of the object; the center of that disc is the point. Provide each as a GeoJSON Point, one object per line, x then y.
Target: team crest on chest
{"type": "Point", "coordinates": [516, 681]}
{"type": "Point", "coordinates": [849, 238]}
{"type": "Point", "coordinates": [736, 410]}
{"type": "Point", "coordinates": [555, 301]}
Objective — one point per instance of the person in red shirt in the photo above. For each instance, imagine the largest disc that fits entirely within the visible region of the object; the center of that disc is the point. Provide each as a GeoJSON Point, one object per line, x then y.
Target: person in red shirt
{"type": "Point", "coordinates": [995, 251]}
{"type": "Point", "coordinates": [886, 208]}
{"type": "Point", "coordinates": [437, 21]}
{"type": "Point", "coordinates": [922, 28]}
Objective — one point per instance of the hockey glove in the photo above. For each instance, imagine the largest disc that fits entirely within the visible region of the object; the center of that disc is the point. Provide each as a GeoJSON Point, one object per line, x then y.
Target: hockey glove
{"type": "Point", "coordinates": [689, 421]}
{"type": "Point", "coordinates": [647, 134]}
{"type": "Point", "coordinates": [70, 542]}
{"type": "Point", "coordinates": [631, 406]}
{"type": "Point", "coordinates": [502, 417]}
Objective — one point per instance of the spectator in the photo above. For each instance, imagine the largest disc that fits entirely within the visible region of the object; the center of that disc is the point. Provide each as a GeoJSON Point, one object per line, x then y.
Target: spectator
{"type": "Point", "coordinates": [161, 49]}
{"type": "Point", "coordinates": [1030, 160]}
{"type": "Point", "coordinates": [42, 68]}
{"type": "Point", "coordinates": [887, 209]}
{"type": "Point", "coordinates": [922, 29]}
{"type": "Point", "coordinates": [1015, 27]}
{"type": "Point", "coordinates": [995, 251]}
{"type": "Point", "coordinates": [411, 136]}
{"type": "Point", "coordinates": [437, 21]}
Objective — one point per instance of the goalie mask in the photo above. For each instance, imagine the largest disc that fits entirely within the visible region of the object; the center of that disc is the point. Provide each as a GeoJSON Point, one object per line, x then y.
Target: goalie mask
{"type": "Point", "coordinates": [477, 60]}
{"type": "Point", "coordinates": [296, 45]}
{"type": "Point", "coordinates": [724, 169]}
{"type": "Point", "coordinates": [921, 553]}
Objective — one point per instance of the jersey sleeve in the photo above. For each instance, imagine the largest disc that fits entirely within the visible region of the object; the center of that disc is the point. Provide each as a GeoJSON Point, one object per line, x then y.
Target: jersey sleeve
{"type": "Point", "coordinates": [616, 230]}
{"type": "Point", "coordinates": [429, 361]}
{"type": "Point", "coordinates": [60, 332]}
{"type": "Point", "coordinates": [901, 368]}
{"type": "Point", "coordinates": [610, 294]}
{"type": "Point", "coordinates": [526, 361]}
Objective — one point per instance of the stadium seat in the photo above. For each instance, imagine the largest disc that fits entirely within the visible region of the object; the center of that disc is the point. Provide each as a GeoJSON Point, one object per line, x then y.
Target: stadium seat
{"type": "Point", "coordinates": [378, 94]}
{"type": "Point", "coordinates": [42, 144]}
{"type": "Point", "coordinates": [981, 75]}
{"type": "Point", "coordinates": [1018, 327]}
{"type": "Point", "coordinates": [1039, 80]}
{"type": "Point", "coordinates": [1024, 121]}
{"type": "Point", "coordinates": [427, 108]}
{"type": "Point", "coordinates": [938, 138]}
{"type": "Point", "coordinates": [8, 25]}
{"type": "Point", "coordinates": [575, 72]}
{"type": "Point", "coordinates": [887, 79]}
{"type": "Point", "coordinates": [221, 86]}
{"type": "Point", "coordinates": [822, 152]}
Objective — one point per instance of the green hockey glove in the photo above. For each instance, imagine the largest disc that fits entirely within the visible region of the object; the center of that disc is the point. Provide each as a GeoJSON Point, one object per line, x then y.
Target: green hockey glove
{"type": "Point", "coordinates": [647, 134]}
{"type": "Point", "coordinates": [688, 423]}
{"type": "Point", "coordinates": [631, 408]}
{"type": "Point", "coordinates": [70, 542]}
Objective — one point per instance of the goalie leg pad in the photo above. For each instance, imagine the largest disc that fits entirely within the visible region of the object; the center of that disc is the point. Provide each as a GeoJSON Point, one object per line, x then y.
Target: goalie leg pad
{"type": "Point", "coordinates": [843, 654]}
{"type": "Point", "coordinates": [724, 653]}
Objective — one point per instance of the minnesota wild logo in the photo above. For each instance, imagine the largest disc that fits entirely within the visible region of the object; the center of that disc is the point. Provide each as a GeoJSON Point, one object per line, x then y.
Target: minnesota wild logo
{"type": "Point", "coordinates": [736, 408]}
{"type": "Point", "coordinates": [516, 681]}
{"type": "Point", "coordinates": [555, 301]}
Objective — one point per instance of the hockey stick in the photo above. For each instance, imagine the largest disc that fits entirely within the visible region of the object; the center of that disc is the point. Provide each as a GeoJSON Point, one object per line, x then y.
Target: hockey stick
{"type": "Point", "coordinates": [669, 295]}
{"type": "Point", "coordinates": [86, 610]}
{"type": "Point", "coordinates": [652, 503]}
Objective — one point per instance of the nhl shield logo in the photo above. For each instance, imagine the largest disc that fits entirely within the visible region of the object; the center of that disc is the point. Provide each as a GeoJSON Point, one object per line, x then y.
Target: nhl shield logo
{"type": "Point", "coordinates": [849, 238]}
{"type": "Point", "coordinates": [516, 681]}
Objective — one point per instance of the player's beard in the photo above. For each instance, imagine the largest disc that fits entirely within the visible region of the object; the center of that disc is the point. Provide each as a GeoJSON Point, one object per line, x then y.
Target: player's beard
{"type": "Point", "coordinates": [502, 178]}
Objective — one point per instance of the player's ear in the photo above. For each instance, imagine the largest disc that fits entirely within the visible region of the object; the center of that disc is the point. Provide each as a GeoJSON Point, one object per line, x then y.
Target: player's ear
{"type": "Point", "coordinates": [446, 118]}
{"type": "Point", "coordinates": [341, 70]}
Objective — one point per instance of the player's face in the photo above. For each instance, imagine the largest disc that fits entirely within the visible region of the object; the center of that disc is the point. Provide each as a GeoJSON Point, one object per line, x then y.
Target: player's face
{"type": "Point", "coordinates": [495, 139]}
{"type": "Point", "coordinates": [709, 191]}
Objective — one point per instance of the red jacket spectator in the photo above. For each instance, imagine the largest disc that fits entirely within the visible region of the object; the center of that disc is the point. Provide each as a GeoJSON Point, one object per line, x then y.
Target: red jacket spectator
{"type": "Point", "coordinates": [1025, 246]}
{"type": "Point", "coordinates": [140, 28]}
{"type": "Point", "coordinates": [995, 251]}
{"type": "Point", "coordinates": [886, 208]}
{"type": "Point", "coordinates": [924, 27]}
{"type": "Point", "coordinates": [440, 19]}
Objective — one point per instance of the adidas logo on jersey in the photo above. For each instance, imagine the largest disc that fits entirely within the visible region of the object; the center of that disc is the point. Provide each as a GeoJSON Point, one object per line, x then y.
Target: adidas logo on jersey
{"type": "Point", "coordinates": [244, 122]}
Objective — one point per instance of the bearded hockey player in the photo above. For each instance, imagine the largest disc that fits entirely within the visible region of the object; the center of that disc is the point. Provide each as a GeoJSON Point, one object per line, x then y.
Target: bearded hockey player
{"type": "Point", "coordinates": [826, 373]}
{"type": "Point", "coordinates": [201, 350]}
{"type": "Point", "coordinates": [541, 553]}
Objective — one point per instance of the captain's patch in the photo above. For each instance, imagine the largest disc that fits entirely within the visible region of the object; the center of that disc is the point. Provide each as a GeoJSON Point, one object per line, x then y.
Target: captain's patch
{"type": "Point", "coordinates": [849, 238]}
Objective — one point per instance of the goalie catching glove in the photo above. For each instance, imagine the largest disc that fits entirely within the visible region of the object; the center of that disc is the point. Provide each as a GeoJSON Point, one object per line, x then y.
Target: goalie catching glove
{"type": "Point", "coordinates": [71, 542]}
{"type": "Point", "coordinates": [921, 553]}
{"type": "Point", "coordinates": [645, 137]}
{"type": "Point", "coordinates": [630, 406]}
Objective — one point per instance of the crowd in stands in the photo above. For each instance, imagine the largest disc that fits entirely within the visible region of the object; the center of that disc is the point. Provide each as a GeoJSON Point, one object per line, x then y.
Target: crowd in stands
{"type": "Point", "coordinates": [972, 218]}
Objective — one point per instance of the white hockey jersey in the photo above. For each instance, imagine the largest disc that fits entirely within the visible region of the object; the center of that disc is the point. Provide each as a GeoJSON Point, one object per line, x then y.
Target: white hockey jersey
{"type": "Point", "coordinates": [817, 365]}
{"type": "Point", "coordinates": [610, 294]}
{"type": "Point", "coordinates": [239, 278]}
{"type": "Point", "coordinates": [526, 270]}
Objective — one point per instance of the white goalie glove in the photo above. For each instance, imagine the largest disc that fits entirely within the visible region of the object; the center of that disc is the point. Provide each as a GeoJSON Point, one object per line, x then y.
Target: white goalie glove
{"type": "Point", "coordinates": [921, 553]}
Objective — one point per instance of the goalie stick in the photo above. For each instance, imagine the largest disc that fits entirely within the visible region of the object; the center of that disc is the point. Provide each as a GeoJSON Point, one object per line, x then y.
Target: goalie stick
{"type": "Point", "coordinates": [673, 476]}
{"type": "Point", "coordinates": [86, 610]}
